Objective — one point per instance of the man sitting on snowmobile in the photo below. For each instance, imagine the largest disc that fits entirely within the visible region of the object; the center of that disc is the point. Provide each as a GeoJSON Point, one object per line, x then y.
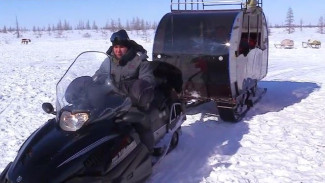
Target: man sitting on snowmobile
{"type": "Point", "coordinates": [133, 75]}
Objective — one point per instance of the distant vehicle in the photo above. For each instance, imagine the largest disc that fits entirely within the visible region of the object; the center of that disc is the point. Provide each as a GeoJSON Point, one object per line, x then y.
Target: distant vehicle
{"type": "Point", "coordinates": [286, 44]}
{"type": "Point", "coordinates": [311, 44]}
{"type": "Point", "coordinates": [221, 47]}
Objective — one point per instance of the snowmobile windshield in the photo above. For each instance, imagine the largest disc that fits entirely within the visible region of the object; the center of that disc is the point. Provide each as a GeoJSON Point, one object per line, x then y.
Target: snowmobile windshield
{"type": "Point", "coordinates": [83, 90]}
{"type": "Point", "coordinates": [195, 33]}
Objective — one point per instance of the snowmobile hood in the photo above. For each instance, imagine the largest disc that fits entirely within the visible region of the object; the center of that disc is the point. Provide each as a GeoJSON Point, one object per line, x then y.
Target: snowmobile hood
{"type": "Point", "coordinates": [51, 154]}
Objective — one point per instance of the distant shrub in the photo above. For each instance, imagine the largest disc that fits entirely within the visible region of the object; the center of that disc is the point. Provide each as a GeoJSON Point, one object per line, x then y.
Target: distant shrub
{"type": "Point", "coordinates": [86, 35]}
{"type": "Point", "coordinates": [59, 34]}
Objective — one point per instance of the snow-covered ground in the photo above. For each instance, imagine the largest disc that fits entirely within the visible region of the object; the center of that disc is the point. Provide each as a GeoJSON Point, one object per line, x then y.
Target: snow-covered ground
{"type": "Point", "coordinates": [282, 139]}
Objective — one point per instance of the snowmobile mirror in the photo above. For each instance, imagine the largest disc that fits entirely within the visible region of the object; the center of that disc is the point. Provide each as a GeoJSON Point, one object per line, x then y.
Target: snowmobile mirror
{"type": "Point", "coordinates": [48, 108]}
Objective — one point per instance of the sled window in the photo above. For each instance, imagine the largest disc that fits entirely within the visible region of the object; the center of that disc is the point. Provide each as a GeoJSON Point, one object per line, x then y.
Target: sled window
{"type": "Point", "coordinates": [251, 34]}
{"type": "Point", "coordinates": [194, 33]}
{"type": "Point", "coordinates": [249, 41]}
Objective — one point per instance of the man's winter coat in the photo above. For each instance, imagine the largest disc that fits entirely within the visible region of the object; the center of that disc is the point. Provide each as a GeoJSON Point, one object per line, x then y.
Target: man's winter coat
{"type": "Point", "coordinates": [132, 74]}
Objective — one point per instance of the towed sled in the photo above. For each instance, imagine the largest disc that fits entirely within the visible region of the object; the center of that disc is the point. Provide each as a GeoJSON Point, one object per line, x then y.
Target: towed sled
{"type": "Point", "coordinates": [222, 52]}
{"type": "Point", "coordinates": [286, 44]}
{"type": "Point", "coordinates": [93, 136]}
{"type": "Point", "coordinates": [311, 44]}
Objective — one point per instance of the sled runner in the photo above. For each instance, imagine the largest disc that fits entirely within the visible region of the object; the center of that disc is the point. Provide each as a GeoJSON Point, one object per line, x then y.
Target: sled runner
{"type": "Point", "coordinates": [221, 52]}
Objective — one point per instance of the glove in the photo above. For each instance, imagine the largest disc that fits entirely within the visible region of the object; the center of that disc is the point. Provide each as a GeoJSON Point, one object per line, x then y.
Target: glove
{"type": "Point", "coordinates": [100, 78]}
{"type": "Point", "coordinates": [142, 94]}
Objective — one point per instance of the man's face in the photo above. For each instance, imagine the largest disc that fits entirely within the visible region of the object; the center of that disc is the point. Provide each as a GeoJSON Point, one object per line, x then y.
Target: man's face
{"type": "Point", "coordinates": [119, 51]}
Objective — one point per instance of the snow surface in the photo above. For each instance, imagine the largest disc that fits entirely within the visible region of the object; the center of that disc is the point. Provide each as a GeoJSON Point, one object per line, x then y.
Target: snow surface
{"type": "Point", "coordinates": [281, 139]}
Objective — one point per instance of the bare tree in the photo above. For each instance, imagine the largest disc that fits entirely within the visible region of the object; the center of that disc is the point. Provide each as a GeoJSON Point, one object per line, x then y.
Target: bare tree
{"type": "Point", "coordinates": [154, 25]}
{"type": "Point", "coordinates": [301, 24]}
{"type": "Point", "coordinates": [39, 32]}
{"type": "Point", "coordinates": [49, 29]}
{"type": "Point", "coordinates": [290, 27]}
{"type": "Point", "coordinates": [309, 25]}
{"type": "Point", "coordinates": [127, 27]}
{"type": "Point", "coordinates": [66, 25]}
{"type": "Point", "coordinates": [17, 28]}
{"type": "Point", "coordinates": [4, 30]}
{"type": "Point", "coordinates": [268, 24]}
{"type": "Point", "coordinates": [88, 25]}
{"type": "Point", "coordinates": [135, 24]}
{"type": "Point", "coordinates": [113, 26]}
{"type": "Point", "coordinates": [81, 25]}
{"type": "Point", "coordinates": [95, 27]}
{"type": "Point", "coordinates": [119, 24]}
{"type": "Point", "coordinates": [59, 26]}
{"type": "Point", "coordinates": [10, 29]}
{"type": "Point", "coordinates": [142, 25]}
{"type": "Point", "coordinates": [321, 25]}
{"type": "Point", "coordinates": [59, 29]}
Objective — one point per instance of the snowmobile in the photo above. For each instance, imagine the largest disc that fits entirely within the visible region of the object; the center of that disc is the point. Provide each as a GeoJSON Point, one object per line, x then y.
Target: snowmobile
{"type": "Point", "coordinates": [222, 51]}
{"type": "Point", "coordinates": [93, 136]}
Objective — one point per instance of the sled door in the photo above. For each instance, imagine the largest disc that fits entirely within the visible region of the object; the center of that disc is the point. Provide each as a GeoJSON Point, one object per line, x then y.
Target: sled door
{"type": "Point", "coordinates": [250, 59]}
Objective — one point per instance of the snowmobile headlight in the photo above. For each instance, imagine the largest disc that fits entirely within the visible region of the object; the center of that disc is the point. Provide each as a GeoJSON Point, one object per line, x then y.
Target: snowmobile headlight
{"type": "Point", "coordinates": [72, 122]}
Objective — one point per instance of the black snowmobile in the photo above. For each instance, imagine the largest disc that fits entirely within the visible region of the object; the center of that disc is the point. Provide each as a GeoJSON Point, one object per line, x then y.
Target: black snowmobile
{"type": "Point", "coordinates": [93, 138]}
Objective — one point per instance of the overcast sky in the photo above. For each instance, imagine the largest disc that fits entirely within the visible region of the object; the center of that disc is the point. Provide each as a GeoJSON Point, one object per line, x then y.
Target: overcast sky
{"type": "Point", "coordinates": [44, 12]}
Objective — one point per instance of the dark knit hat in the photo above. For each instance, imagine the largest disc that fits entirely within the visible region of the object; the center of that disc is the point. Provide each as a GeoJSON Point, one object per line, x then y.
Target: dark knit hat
{"type": "Point", "coordinates": [120, 38]}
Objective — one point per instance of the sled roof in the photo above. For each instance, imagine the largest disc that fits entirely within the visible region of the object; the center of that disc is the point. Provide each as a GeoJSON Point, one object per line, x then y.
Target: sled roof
{"type": "Point", "coordinates": [195, 5]}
